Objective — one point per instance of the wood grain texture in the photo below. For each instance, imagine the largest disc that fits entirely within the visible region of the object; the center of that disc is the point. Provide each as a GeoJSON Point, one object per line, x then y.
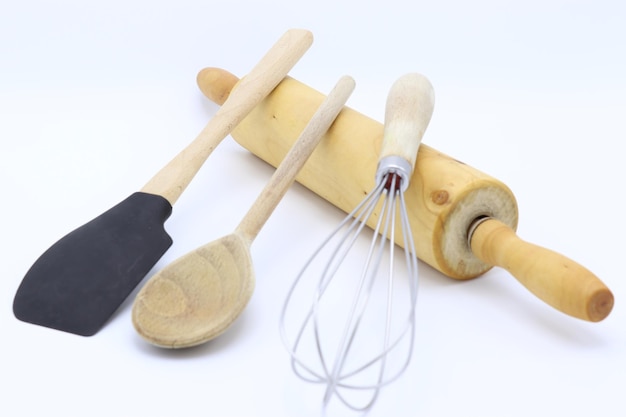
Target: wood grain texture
{"type": "Point", "coordinates": [444, 199]}
{"type": "Point", "coordinates": [557, 280]}
{"type": "Point", "coordinates": [180, 307]}
{"type": "Point", "coordinates": [408, 110]}
{"type": "Point", "coordinates": [296, 157]}
{"type": "Point", "coordinates": [197, 297]}
{"type": "Point", "coordinates": [444, 195]}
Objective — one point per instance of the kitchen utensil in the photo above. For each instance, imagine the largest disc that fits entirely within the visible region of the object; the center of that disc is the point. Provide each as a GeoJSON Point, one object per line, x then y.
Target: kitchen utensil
{"type": "Point", "coordinates": [408, 112]}
{"type": "Point", "coordinates": [79, 282]}
{"type": "Point", "coordinates": [197, 297]}
{"type": "Point", "coordinates": [445, 198]}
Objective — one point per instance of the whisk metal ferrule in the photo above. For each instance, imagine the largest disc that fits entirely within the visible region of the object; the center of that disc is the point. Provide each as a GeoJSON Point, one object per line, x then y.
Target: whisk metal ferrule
{"type": "Point", "coordinates": [394, 164]}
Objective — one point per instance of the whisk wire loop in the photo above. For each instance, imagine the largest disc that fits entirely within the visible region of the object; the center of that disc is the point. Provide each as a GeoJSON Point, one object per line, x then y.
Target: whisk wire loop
{"type": "Point", "coordinates": [356, 219]}
{"type": "Point", "coordinates": [359, 303]}
{"type": "Point", "coordinates": [353, 368]}
{"type": "Point", "coordinates": [337, 378]}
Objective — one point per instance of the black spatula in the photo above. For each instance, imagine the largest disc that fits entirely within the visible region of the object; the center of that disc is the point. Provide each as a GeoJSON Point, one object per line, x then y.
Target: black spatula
{"type": "Point", "coordinates": [79, 282]}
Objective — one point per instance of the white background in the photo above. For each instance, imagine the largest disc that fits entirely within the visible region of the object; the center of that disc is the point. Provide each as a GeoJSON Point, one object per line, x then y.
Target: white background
{"type": "Point", "coordinates": [96, 96]}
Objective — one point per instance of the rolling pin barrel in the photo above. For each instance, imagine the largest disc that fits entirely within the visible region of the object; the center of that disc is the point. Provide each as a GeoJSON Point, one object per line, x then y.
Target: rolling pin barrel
{"type": "Point", "coordinates": [446, 200]}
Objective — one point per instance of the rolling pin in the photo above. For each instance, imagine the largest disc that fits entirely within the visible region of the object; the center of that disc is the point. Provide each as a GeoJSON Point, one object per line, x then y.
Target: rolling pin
{"type": "Point", "coordinates": [463, 220]}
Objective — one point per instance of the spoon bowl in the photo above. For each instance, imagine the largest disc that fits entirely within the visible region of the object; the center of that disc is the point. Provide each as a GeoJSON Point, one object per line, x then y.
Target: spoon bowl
{"type": "Point", "coordinates": [198, 296]}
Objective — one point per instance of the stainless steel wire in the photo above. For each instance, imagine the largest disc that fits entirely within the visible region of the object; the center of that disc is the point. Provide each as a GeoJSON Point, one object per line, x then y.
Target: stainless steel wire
{"type": "Point", "coordinates": [354, 332]}
{"type": "Point", "coordinates": [373, 372]}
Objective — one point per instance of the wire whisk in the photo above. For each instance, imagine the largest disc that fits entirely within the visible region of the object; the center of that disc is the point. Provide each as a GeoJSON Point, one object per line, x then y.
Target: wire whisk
{"type": "Point", "coordinates": [331, 315]}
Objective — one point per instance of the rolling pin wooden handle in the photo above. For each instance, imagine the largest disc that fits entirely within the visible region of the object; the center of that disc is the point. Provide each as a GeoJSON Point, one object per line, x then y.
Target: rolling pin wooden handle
{"type": "Point", "coordinates": [408, 111]}
{"type": "Point", "coordinates": [216, 84]}
{"type": "Point", "coordinates": [172, 179]}
{"type": "Point", "coordinates": [554, 278]}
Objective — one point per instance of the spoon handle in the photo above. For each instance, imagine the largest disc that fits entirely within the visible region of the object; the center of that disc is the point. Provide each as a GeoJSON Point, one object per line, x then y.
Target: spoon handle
{"type": "Point", "coordinates": [295, 159]}
{"type": "Point", "coordinates": [172, 179]}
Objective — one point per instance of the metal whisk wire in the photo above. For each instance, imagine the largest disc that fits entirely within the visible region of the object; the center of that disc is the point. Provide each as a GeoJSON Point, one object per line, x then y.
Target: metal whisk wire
{"type": "Point", "coordinates": [334, 376]}
{"type": "Point", "coordinates": [387, 199]}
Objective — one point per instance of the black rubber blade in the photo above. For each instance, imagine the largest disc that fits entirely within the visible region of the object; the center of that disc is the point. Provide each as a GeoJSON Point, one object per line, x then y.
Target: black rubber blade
{"type": "Point", "coordinates": [81, 280]}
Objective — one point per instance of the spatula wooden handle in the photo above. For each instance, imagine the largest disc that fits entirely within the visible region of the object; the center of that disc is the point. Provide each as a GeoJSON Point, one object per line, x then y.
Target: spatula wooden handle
{"type": "Point", "coordinates": [172, 180]}
{"type": "Point", "coordinates": [554, 278]}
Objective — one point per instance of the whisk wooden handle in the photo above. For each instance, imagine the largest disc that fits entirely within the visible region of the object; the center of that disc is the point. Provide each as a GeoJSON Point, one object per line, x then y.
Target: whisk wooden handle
{"type": "Point", "coordinates": [408, 110]}
{"type": "Point", "coordinates": [554, 278]}
{"type": "Point", "coordinates": [444, 199]}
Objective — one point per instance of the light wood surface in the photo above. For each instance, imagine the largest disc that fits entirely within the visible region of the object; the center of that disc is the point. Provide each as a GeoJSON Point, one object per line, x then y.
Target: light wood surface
{"type": "Point", "coordinates": [407, 116]}
{"type": "Point", "coordinates": [444, 195]}
{"type": "Point", "coordinates": [197, 297]}
{"type": "Point", "coordinates": [552, 277]}
{"type": "Point", "coordinates": [172, 179]}
{"type": "Point", "coordinates": [444, 198]}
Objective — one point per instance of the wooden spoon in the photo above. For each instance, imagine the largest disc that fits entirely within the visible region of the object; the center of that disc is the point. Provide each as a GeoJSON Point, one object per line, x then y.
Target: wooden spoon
{"type": "Point", "coordinates": [197, 297]}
